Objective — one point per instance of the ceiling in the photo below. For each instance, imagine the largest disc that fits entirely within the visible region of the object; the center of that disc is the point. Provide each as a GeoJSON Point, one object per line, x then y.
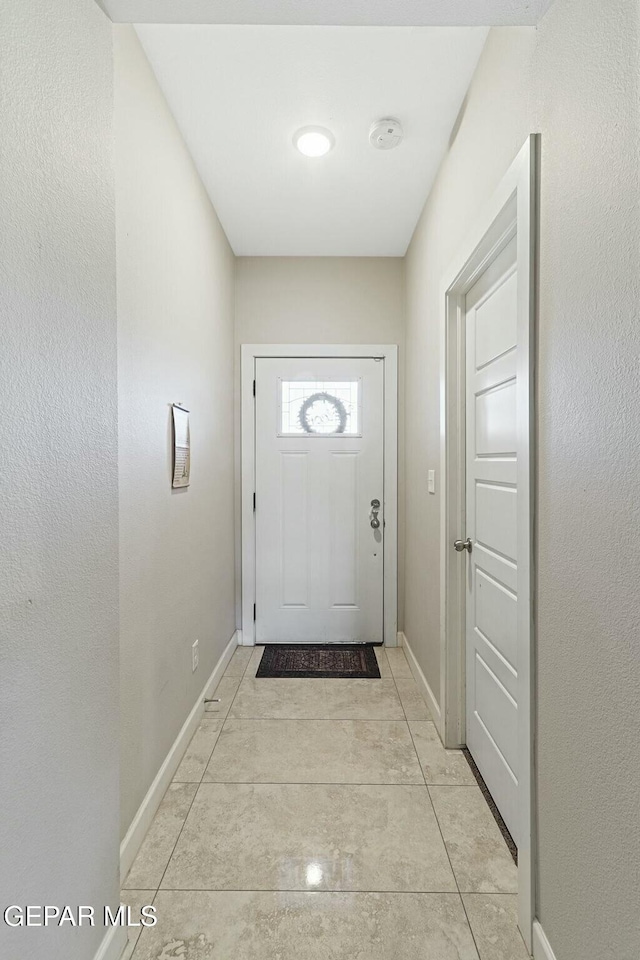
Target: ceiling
{"type": "Point", "coordinates": [398, 13]}
{"type": "Point", "coordinates": [239, 93]}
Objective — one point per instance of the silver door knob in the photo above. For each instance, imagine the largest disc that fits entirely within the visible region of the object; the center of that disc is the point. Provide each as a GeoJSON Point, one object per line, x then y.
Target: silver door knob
{"type": "Point", "coordinates": [375, 507]}
{"type": "Point", "coordinates": [461, 545]}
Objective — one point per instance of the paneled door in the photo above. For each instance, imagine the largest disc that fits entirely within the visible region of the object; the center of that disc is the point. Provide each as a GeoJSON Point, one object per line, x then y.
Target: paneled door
{"type": "Point", "coordinates": [319, 498]}
{"type": "Point", "coordinates": [491, 505]}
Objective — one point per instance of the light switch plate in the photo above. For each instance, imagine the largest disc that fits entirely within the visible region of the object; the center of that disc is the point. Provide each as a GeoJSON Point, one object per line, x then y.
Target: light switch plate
{"type": "Point", "coordinates": [431, 481]}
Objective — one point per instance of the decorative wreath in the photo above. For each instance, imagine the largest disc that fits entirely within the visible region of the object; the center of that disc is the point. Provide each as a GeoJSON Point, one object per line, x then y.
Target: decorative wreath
{"type": "Point", "coordinates": [338, 406]}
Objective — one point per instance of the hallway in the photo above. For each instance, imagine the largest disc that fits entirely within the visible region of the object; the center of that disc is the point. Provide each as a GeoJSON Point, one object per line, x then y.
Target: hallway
{"type": "Point", "coordinates": [323, 818]}
{"type": "Point", "coordinates": [319, 324]}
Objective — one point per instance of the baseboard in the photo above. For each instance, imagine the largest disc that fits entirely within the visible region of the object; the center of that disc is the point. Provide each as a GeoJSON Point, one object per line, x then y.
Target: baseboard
{"type": "Point", "coordinates": [421, 680]}
{"type": "Point", "coordinates": [147, 810]}
{"type": "Point", "coordinates": [113, 944]}
{"type": "Point", "coordinates": [541, 946]}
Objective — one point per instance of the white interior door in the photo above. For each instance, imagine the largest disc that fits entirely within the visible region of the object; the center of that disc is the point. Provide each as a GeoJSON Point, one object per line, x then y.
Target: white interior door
{"type": "Point", "coordinates": [319, 470]}
{"type": "Point", "coordinates": [491, 503]}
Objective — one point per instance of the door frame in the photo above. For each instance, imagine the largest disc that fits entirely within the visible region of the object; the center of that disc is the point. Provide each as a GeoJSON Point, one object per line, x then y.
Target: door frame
{"type": "Point", "coordinates": [512, 212]}
{"type": "Point", "coordinates": [249, 353]}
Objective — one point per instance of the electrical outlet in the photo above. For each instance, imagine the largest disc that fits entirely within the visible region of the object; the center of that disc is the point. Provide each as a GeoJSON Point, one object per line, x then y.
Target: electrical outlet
{"type": "Point", "coordinates": [195, 656]}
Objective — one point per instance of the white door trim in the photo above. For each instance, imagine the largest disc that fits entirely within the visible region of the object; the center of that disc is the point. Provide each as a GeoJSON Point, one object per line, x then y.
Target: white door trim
{"type": "Point", "coordinates": [511, 212]}
{"type": "Point", "coordinates": [249, 354]}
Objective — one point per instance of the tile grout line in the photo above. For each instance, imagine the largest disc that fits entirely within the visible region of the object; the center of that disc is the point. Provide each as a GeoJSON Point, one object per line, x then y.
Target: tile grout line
{"type": "Point", "coordinates": [224, 719]}
{"type": "Point", "coordinates": [327, 719]}
{"type": "Point", "coordinates": [418, 757]}
{"type": "Point", "coordinates": [142, 929]}
{"type": "Point", "coordinates": [315, 890]}
{"type": "Point", "coordinates": [330, 719]}
{"type": "Point", "coordinates": [455, 879]}
{"type": "Point", "coordinates": [464, 909]}
{"type": "Point", "coordinates": [473, 936]}
{"type": "Point", "coordinates": [309, 783]}
{"type": "Point", "coordinates": [205, 718]}
{"type": "Point", "coordinates": [198, 784]}
{"type": "Point", "coordinates": [195, 793]}
{"type": "Point", "coordinates": [406, 720]}
{"type": "Point", "coordinates": [224, 677]}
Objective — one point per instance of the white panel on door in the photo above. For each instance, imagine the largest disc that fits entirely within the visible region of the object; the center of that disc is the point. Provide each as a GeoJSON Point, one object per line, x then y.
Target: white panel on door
{"type": "Point", "coordinates": [502, 570]}
{"type": "Point", "coordinates": [496, 321]}
{"type": "Point", "coordinates": [344, 529]}
{"type": "Point", "coordinates": [503, 672]}
{"type": "Point", "coordinates": [295, 559]}
{"type": "Point", "coordinates": [498, 711]}
{"type": "Point", "coordinates": [496, 613]}
{"type": "Point", "coordinates": [495, 510]}
{"type": "Point", "coordinates": [496, 420]}
{"type": "Point", "coordinates": [319, 465]}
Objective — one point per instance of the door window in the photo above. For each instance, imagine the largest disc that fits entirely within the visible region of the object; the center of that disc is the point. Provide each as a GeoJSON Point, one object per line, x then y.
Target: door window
{"type": "Point", "coordinates": [319, 408]}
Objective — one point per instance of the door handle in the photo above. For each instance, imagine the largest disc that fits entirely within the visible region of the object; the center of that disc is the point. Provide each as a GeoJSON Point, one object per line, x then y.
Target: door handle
{"type": "Point", "coordinates": [461, 545]}
{"type": "Point", "coordinates": [375, 508]}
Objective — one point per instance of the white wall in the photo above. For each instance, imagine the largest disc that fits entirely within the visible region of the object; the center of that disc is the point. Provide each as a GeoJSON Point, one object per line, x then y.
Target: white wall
{"type": "Point", "coordinates": [175, 344]}
{"type": "Point", "coordinates": [574, 79]}
{"type": "Point", "coordinates": [320, 300]}
{"type": "Point", "coordinates": [58, 475]}
{"type": "Point", "coordinates": [323, 300]}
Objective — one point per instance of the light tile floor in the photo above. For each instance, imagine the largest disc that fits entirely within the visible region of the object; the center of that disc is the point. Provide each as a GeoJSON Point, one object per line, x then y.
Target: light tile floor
{"type": "Point", "coordinates": [323, 820]}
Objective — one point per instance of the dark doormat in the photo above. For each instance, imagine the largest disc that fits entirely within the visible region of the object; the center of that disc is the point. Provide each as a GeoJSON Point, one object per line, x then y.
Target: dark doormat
{"type": "Point", "coordinates": [337, 660]}
{"type": "Point", "coordinates": [504, 830]}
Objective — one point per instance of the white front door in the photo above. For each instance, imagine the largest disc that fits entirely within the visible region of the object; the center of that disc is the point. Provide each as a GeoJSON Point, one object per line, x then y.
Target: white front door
{"type": "Point", "coordinates": [491, 504]}
{"type": "Point", "coordinates": [319, 501]}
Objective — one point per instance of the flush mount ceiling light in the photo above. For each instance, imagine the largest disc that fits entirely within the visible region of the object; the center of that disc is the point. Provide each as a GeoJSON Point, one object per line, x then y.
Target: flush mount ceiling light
{"type": "Point", "coordinates": [313, 141]}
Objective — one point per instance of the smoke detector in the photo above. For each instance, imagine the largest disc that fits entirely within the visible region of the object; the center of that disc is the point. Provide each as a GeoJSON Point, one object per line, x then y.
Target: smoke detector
{"type": "Point", "coordinates": [386, 134]}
